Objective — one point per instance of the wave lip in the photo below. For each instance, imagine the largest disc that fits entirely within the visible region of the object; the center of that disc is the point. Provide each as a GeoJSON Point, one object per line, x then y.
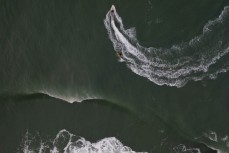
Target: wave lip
{"type": "Point", "coordinates": [199, 58]}
{"type": "Point", "coordinates": [69, 98]}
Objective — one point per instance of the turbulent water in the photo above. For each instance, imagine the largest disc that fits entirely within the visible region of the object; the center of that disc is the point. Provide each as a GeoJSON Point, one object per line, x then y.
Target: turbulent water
{"type": "Point", "coordinates": [205, 55]}
{"type": "Point", "coordinates": [67, 142]}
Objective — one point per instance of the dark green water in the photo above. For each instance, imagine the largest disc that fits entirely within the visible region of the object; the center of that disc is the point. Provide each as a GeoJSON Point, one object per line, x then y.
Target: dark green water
{"type": "Point", "coordinates": [61, 49]}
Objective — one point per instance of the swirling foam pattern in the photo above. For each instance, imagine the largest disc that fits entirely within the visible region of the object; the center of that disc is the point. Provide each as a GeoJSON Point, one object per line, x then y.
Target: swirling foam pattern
{"type": "Point", "coordinates": [66, 142]}
{"type": "Point", "coordinates": [206, 55]}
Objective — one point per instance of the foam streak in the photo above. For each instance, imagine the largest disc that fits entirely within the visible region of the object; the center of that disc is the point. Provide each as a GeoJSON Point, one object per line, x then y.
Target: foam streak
{"type": "Point", "coordinates": [203, 56]}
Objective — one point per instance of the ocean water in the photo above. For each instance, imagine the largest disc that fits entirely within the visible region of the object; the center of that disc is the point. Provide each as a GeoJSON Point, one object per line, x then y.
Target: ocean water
{"type": "Point", "coordinates": [149, 76]}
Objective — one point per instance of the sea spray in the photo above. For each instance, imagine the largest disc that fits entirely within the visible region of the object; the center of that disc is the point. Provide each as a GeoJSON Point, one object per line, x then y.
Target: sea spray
{"type": "Point", "coordinates": [66, 142]}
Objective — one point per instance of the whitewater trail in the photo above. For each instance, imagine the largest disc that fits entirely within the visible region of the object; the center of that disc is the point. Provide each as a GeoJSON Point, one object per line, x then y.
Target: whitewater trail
{"type": "Point", "coordinates": [203, 56]}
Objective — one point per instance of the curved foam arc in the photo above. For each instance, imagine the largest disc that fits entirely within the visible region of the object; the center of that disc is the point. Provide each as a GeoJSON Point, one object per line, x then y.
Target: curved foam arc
{"type": "Point", "coordinates": [122, 39]}
{"type": "Point", "coordinates": [193, 60]}
{"type": "Point", "coordinates": [119, 37]}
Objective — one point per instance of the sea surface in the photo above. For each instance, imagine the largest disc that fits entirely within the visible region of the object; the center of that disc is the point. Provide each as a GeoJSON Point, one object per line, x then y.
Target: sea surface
{"type": "Point", "coordinates": [114, 76]}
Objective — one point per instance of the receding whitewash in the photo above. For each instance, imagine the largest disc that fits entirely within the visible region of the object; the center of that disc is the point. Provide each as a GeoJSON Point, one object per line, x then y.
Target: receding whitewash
{"type": "Point", "coordinates": [175, 66]}
{"type": "Point", "coordinates": [219, 143]}
{"type": "Point", "coordinates": [183, 149]}
{"type": "Point", "coordinates": [66, 142]}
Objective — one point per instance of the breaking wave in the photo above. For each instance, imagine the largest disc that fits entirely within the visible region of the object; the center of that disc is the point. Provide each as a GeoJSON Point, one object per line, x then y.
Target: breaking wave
{"type": "Point", "coordinates": [66, 142]}
{"type": "Point", "coordinates": [203, 56]}
{"type": "Point", "coordinates": [69, 98]}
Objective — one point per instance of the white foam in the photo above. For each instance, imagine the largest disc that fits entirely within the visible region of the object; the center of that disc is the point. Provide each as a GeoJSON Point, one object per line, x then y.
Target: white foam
{"type": "Point", "coordinates": [175, 66]}
{"type": "Point", "coordinates": [215, 141]}
{"type": "Point", "coordinates": [183, 149]}
{"type": "Point", "coordinates": [69, 98]}
{"type": "Point", "coordinates": [66, 142]}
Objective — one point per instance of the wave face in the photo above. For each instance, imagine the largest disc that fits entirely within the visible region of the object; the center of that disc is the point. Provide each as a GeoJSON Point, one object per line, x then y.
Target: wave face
{"type": "Point", "coordinates": [66, 142]}
{"type": "Point", "coordinates": [206, 55]}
